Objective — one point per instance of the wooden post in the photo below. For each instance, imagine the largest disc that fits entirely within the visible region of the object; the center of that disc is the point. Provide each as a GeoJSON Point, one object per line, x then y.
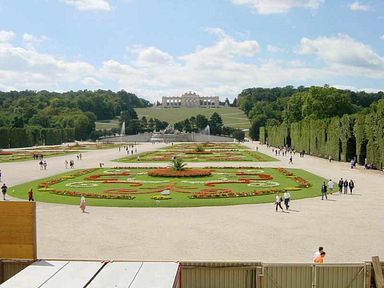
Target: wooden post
{"type": "Point", "coordinates": [368, 274]}
{"type": "Point", "coordinates": [379, 279]}
{"type": "Point", "coordinates": [1, 272]}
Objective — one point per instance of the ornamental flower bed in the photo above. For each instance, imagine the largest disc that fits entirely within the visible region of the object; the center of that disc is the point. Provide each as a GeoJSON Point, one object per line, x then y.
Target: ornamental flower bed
{"type": "Point", "coordinates": [228, 193]}
{"type": "Point", "coordinates": [284, 172]}
{"type": "Point", "coordinates": [169, 172]}
{"type": "Point", "coordinates": [91, 195]}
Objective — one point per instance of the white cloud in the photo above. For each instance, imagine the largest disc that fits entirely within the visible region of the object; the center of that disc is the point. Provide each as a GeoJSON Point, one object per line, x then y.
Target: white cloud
{"type": "Point", "coordinates": [6, 36]}
{"type": "Point", "coordinates": [223, 68]}
{"type": "Point", "coordinates": [29, 38]}
{"type": "Point", "coordinates": [357, 6]}
{"type": "Point", "coordinates": [26, 68]}
{"type": "Point", "coordinates": [101, 5]}
{"type": "Point", "coordinates": [274, 49]}
{"type": "Point", "coordinates": [382, 37]}
{"type": "Point", "coordinates": [90, 81]}
{"type": "Point", "coordinates": [278, 6]}
{"type": "Point", "coordinates": [344, 54]}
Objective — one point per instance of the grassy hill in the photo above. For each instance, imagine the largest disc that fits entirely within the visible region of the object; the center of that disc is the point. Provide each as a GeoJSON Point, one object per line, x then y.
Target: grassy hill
{"type": "Point", "coordinates": [232, 117]}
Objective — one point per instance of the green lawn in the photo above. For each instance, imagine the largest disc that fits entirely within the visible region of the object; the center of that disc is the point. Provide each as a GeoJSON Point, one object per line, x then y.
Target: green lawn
{"type": "Point", "coordinates": [225, 186]}
{"type": "Point", "coordinates": [232, 116]}
{"type": "Point", "coordinates": [28, 155]}
{"type": "Point", "coordinates": [212, 152]}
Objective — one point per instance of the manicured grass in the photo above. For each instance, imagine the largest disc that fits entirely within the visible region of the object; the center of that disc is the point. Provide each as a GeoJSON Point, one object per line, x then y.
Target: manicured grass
{"type": "Point", "coordinates": [232, 116]}
{"type": "Point", "coordinates": [143, 187]}
{"type": "Point", "coordinates": [28, 155]}
{"type": "Point", "coordinates": [212, 152]}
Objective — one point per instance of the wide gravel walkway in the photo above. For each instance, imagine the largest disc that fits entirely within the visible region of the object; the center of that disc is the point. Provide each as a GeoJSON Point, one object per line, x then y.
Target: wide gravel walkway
{"type": "Point", "coordinates": [350, 227]}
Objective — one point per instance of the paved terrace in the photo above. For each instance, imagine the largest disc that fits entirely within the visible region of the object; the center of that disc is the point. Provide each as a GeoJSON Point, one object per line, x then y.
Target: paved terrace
{"type": "Point", "coordinates": [350, 227]}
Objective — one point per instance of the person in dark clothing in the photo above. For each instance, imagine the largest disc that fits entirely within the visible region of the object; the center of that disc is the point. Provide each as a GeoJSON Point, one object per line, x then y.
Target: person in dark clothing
{"type": "Point", "coordinates": [30, 195]}
{"type": "Point", "coordinates": [324, 191]}
{"type": "Point", "coordinates": [351, 185]}
{"type": "Point", "coordinates": [4, 190]}
{"type": "Point", "coordinates": [341, 183]}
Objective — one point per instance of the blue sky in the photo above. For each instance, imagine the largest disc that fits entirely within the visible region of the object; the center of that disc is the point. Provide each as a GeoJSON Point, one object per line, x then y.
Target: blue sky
{"type": "Point", "coordinates": [214, 47]}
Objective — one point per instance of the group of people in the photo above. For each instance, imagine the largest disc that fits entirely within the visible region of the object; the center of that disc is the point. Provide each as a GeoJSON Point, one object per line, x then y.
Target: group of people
{"type": "Point", "coordinates": [130, 149]}
{"type": "Point", "coordinates": [71, 164]}
{"type": "Point", "coordinates": [38, 156]}
{"type": "Point", "coordinates": [319, 256]}
{"type": "Point", "coordinates": [79, 156]}
{"type": "Point", "coordinates": [43, 165]}
{"type": "Point", "coordinates": [343, 185]}
{"type": "Point", "coordinates": [286, 198]}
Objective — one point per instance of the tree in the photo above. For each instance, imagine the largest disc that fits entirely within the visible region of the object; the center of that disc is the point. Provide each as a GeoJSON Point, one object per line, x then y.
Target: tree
{"type": "Point", "coordinates": [239, 135]}
{"type": "Point", "coordinates": [201, 122]}
{"type": "Point", "coordinates": [215, 124]}
{"type": "Point", "coordinates": [178, 164]}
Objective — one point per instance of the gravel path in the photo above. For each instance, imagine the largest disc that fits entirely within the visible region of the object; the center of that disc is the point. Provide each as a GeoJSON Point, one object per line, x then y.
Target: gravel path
{"type": "Point", "coordinates": [350, 227]}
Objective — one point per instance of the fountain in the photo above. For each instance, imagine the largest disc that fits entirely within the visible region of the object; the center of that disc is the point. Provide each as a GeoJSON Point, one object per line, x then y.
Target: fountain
{"type": "Point", "coordinates": [206, 131]}
{"type": "Point", "coordinates": [122, 132]}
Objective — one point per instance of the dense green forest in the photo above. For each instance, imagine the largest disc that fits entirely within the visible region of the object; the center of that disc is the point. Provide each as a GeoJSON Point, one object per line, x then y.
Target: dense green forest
{"type": "Point", "coordinates": [30, 117]}
{"type": "Point", "coordinates": [322, 121]}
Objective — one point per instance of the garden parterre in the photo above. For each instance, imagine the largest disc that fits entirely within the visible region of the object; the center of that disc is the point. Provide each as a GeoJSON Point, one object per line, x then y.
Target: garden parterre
{"type": "Point", "coordinates": [135, 187]}
{"type": "Point", "coordinates": [204, 152]}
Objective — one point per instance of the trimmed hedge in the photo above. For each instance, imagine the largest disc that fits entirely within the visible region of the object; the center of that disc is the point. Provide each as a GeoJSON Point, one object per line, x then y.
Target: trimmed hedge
{"type": "Point", "coordinates": [26, 137]}
{"type": "Point", "coordinates": [358, 135]}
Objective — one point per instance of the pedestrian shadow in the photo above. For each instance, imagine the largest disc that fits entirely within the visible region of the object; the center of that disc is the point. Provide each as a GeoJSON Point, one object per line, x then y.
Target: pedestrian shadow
{"type": "Point", "coordinates": [293, 210]}
{"type": "Point", "coordinates": [357, 194]}
{"type": "Point", "coordinates": [330, 199]}
{"type": "Point", "coordinates": [85, 212]}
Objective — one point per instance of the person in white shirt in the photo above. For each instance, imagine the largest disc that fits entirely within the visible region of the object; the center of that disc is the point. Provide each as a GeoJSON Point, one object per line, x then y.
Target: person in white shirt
{"type": "Point", "coordinates": [278, 202]}
{"type": "Point", "coordinates": [287, 198]}
{"type": "Point", "coordinates": [317, 253]}
{"type": "Point", "coordinates": [330, 186]}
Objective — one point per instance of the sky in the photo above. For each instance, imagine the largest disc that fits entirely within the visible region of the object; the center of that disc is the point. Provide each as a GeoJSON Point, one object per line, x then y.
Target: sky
{"type": "Point", "coordinates": [157, 48]}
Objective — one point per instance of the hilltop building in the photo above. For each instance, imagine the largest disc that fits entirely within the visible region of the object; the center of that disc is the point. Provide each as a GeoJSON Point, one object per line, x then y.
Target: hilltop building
{"type": "Point", "coordinates": [190, 100]}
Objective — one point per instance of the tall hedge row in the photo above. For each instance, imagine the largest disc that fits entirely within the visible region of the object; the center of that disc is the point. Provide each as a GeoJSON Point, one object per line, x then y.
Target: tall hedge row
{"type": "Point", "coordinates": [360, 136]}
{"type": "Point", "coordinates": [25, 137]}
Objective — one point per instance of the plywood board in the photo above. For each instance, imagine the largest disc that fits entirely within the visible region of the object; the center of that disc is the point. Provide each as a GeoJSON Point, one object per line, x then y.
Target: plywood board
{"type": "Point", "coordinates": [156, 275]}
{"type": "Point", "coordinates": [74, 274]}
{"type": "Point", "coordinates": [116, 274]}
{"type": "Point", "coordinates": [35, 274]}
{"type": "Point", "coordinates": [17, 230]}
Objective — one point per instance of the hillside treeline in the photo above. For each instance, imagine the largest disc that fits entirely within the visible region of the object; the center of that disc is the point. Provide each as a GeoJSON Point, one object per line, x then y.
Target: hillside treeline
{"type": "Point", "coordinates": [51, 118]}
{"type": "Point", "coordinates": [322, 121]}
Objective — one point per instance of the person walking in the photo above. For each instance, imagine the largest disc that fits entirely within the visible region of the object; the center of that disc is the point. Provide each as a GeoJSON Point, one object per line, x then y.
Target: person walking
{"type": "Point", "coordinates": [341, 183]}
{"type": "Point", "coordinates": [45, 165]}
{"type": "Point", "coordinates": [290, 160]}
{"type": "Point", "coordinates": [30, 195]}
{"type": "Point", "coordinates": [278, 201]}
{"type": "Point", "coordinates": [66, 164]}
{"type": "Point", "coordinates": [351, 185]}
{"type": "Point", "coordinates": [320, 259]}
{"type": "Point", "coordinates": [287, 198]}
{"type": "Point", "coordinates": [41, 164]}
{"type": "Point", "coordinates": [324, 191]}
{"type": "Point", "coordinates": [330, 186]}
{"type": "Point", "coordinates": [4, 190]}
{"type": "Point", "coordinates": [0, 175]}
{"type": "Point", "coordinates": [345, 184]}
{"type": "Point", "coordinates": [82, 204]}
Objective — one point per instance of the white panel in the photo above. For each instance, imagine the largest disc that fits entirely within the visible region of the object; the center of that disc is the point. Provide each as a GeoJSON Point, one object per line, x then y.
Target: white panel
{"type": "Point", "coordinates": [116, 275]}
{"type": "Point", "coordinates": [156, 275]}
{"type": "Point", "coordinates": [34, 275]}
{"type": "Point", "coordinates": [74, 275]}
